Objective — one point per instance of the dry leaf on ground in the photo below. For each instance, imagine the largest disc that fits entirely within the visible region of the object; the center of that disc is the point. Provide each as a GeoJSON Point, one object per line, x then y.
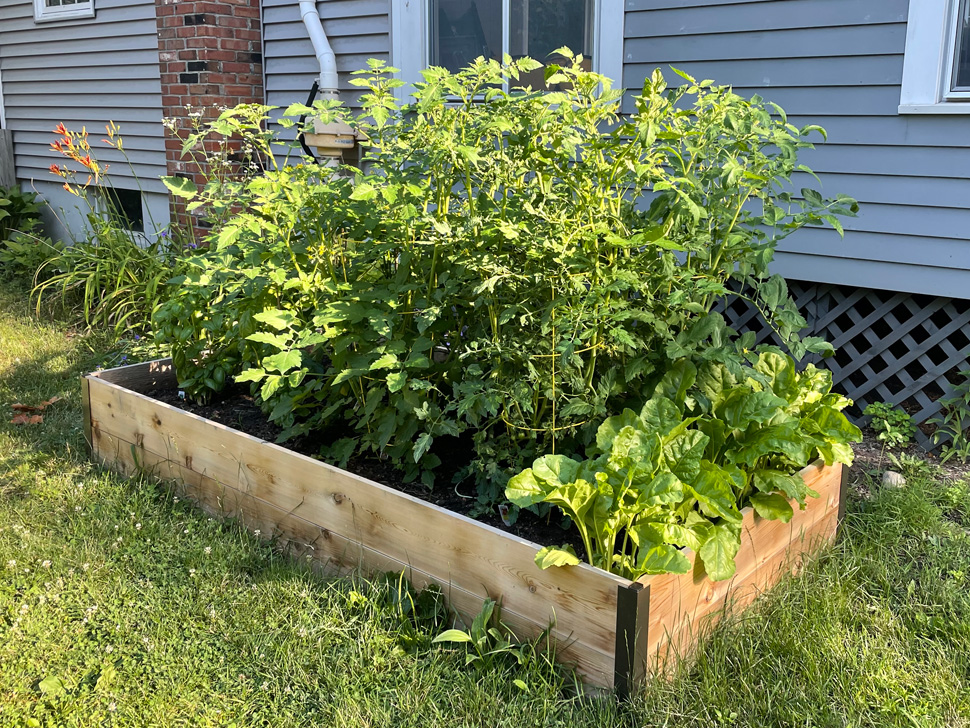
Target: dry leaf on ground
{"type": "Point", "coordinates": [31, 408]}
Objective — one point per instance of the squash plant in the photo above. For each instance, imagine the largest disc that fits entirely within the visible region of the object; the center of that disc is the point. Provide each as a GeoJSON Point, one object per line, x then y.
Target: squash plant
{"type": "Point", "coordinates": [677, 474]}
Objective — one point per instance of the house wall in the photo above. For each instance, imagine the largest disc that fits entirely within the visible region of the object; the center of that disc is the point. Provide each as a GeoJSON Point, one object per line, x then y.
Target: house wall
{"type": "Point", "coordinates": [837, 63]}
{"type": "Point", "coordinates": [84, 73]}
{"type": "Point", "coordinates": [357, 30]}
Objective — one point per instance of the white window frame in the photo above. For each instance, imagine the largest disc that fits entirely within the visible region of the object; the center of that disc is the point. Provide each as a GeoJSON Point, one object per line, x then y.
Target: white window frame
{"type": "Point", "coordinates": [46, 14]}
{"type": "Point", "coordinates": [929, 59]}
{"type": "Point", "coordinates": [410, 36]}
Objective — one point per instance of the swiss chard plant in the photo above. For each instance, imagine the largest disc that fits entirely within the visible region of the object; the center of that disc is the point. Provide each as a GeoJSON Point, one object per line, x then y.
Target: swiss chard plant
{"type": "Point", "coordinates": [515, 265]}
{"type": "Point", "coordinates": [709, 442]}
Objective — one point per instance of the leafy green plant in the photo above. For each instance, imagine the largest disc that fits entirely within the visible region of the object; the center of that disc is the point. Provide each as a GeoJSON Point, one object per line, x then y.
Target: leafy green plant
{"type": "Point", "coordinates": [19, 211]}
{"type": "Point", "coordinates": [954, 421]}
{"type": "Point", "coordinates": [490, 642]}
{"type": "Point", "coordinates": [23, 255]}
{"type": "Point", "coordinates": [490, 270]}
{"type": "Point", "coordinates": [892, 426]}
{"type": "Point", "coordinates": [707, 443]}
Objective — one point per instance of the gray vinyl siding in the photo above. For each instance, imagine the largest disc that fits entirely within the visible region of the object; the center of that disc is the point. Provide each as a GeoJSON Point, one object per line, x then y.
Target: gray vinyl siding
{"type": "Point", "coordinates": [84, 72]}
{"type": "Point", "coordinates": [837, 63]}
{"type": "Point", "coordinates": [357, 30]}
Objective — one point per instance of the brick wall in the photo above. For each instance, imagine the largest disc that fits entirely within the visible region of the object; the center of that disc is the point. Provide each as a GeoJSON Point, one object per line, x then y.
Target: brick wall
{"type": "Point", "coordinates": [210, 54]}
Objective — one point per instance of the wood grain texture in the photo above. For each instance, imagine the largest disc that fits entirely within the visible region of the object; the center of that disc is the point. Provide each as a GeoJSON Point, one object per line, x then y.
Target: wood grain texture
{"type": "Point", "coordinates": [683, 606]}
{"type": "Point", "coordinates": [134, 431]}
{"type": "Point", "coordinates": [346, 522]}
{"type": "Point", "coordinates": [333, 552]}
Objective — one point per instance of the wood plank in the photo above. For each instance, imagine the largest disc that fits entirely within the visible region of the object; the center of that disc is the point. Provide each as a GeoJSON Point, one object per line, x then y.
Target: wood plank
{"type": "Point", "coordinates": [455, 548]}
{"type": "Point", "coordinates": [335, 553]}
{"type": "Point", "coordinates": [348, 522]}
{"type": "Point", "coordinates": [143, 377]}
{"type": "Point", "coordinates": [682, 606]}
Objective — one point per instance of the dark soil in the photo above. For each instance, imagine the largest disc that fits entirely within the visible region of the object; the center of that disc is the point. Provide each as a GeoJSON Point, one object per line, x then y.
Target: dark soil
{"type": "Point", "coordinates": [238, 410]}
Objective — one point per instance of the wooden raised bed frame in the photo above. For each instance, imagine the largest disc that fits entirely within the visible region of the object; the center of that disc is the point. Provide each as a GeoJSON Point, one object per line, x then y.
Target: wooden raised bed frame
{"type": "Point", "coordinates": [613, 630]}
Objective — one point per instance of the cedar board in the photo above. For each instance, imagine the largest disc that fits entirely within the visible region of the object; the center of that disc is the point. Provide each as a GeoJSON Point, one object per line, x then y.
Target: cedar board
{"type": "Point", "coordinates": [348, 522]}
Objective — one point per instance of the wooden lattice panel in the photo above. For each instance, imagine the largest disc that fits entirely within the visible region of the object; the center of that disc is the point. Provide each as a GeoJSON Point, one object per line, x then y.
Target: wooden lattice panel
{"type": "Point", "coordinates": [890, 347]}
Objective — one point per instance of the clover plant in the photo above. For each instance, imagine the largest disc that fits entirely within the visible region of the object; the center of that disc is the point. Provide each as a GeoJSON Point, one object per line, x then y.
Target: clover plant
{"type": "Point", "coordinates": [709, 442]}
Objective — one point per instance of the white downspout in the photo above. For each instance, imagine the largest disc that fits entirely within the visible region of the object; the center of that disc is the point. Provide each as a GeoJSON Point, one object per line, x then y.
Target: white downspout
{"type": "Point", "coordinates": [321, 48]}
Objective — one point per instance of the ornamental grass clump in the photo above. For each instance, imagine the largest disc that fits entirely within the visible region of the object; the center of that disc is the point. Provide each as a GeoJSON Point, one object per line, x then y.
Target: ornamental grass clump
{"type": "Point", "coordinates": [508, 267]}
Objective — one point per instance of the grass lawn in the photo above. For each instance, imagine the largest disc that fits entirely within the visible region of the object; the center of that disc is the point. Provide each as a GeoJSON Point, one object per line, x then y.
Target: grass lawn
{"type": "Point", "coordinates": [121, 605]}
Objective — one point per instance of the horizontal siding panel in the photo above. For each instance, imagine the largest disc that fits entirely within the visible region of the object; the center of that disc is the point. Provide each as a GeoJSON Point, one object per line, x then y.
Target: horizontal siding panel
{"type": "Point", "coordinates": [84, 72]}
{"type": "Point", "coordinates": [93, 117]}
{"type": "Point", "coordinates": [889, 160]}
{"type": "Point", "coordinates": [346, 45]}
{"type": "Point", "coordinates": [274, 9]}
{"type": "Point", "coordinates": [346, 63]}
{"type": "Point", "coordinates": [746, 17]}
{"type": "Point", "coordinates": [937, 222]}
{"type": "Point", "coordinates": [913, 250]}
{"type": "Point", "coordinates": [937, 281]}
{"type": "Point", "coordinates": [89, 46]}
{"type": "Point", "coordinates": [862, 40]}
{"type": "Point", "coordinates": [129, 130]}
{"type": "Point", "coordinates": [133, 142]}
{"type": "Point", "coordinates": [814, 102]}
{"type": "Point", "coordinates": [340, 27]}
{"type": "Point", "coordinates": [130, 98]}
{"type": "Point", "coordinates": [89, 57]}
{"type": "Point", "coordinates": [789, 73]}
{"type": "Point", "coordinates": [924, 192]}
{"type": "Point", "coordinates": [128, 19]}
{"type": "Point", "coordinates": [903, 131]}
{"type": "Point", "coordinates": [128, 72]}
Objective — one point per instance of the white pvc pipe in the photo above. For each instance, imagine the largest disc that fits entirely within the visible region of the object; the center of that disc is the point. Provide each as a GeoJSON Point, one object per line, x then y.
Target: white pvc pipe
{"type": "Point", "coordinates": [321, 48]}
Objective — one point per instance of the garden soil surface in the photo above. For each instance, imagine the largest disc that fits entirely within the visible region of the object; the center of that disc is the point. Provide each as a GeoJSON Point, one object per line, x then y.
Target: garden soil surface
{"type": "Point", "coordinates": [238, 410]}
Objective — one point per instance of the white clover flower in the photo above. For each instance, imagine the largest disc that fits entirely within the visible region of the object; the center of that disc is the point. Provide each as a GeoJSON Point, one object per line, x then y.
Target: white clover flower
{"type": "Point", "coordinates": [46, 563]}
{"type": "Point", "coordinates": [208, 549]}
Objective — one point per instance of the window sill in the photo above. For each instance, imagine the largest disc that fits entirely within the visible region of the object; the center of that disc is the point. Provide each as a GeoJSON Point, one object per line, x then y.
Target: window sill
{"type": "Point", "coordinates": [72, 14]}
{"type": "Point", "coordinates": [941, 108]}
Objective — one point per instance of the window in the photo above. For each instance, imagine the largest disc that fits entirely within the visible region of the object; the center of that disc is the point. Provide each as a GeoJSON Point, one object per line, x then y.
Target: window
{"type": "Point", "coordinates": [49, 10]}
{"type": "Point", "coordinates": [936, 65]}
{"type": "Point", "coordinates": [126, 207]}
{"type": "Point", "coordinates": [451, 33]}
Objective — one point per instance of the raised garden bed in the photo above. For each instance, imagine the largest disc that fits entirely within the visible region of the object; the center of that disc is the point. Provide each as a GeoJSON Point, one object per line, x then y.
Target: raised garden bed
{"type": "Point", "coordinates": [613, 630]}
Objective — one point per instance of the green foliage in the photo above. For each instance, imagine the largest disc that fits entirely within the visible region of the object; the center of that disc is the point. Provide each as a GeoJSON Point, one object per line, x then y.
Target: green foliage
{"type": "Point", "coordinates": [709, 442]}
{"type": "Point", "coordinates": [490, 642]}
{"type": "Point", "coordinates": [516, 265]}
{"type": "Point", "coordinates": [954, 421]}
{"type": "Point", "coordinates": [19, 212]}
{"type": "Point", "coordinates": [22, 250]}
{"type": "Point", "coordinates": [114, 280]}
{"type": "Point", "coordinates": [23, 255]}
{"type": "Point", "coordinates": [892, 426]}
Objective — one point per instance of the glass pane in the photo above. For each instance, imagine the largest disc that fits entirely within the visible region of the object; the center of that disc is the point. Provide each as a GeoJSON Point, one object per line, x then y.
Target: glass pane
{"type": "Point", "coordinates": [541, 26]}
{"type": "Point", "coordinates": [463, 30]}
{"type": "Point", "coordinates": [961, 64]}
